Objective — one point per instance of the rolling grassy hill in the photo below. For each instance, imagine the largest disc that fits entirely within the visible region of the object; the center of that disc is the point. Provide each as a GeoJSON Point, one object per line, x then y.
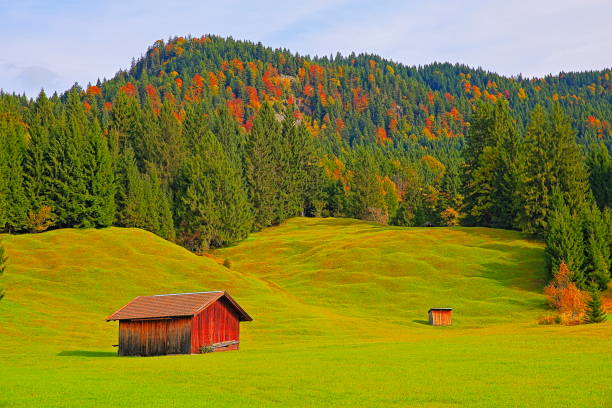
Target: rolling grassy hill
{"type": "Point", "coordinates": [339, 308]}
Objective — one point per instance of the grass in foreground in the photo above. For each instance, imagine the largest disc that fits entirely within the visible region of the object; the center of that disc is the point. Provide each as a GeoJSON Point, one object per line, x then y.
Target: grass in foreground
{"type": "Point", "coordinates": [339, 307]}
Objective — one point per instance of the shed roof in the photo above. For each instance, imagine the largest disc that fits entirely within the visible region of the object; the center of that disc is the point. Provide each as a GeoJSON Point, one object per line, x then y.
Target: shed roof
{"type": "Point", "coordinates": [173, 305]}
{"type": "Point", "coordinates": [440, 308]}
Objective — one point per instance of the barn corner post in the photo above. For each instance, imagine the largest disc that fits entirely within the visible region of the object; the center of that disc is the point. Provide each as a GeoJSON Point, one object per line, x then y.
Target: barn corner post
{"type": "Point", "coordinates": [180, 323]}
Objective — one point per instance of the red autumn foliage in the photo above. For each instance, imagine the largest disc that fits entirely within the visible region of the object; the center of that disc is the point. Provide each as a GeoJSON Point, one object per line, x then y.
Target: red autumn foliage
{"type": "Point", "coordinates": [381, 135]}
{"type": "Point", "coordinates": [179, 82]}
{"type": "Point", "coordinates": [253, 98]}
{"type": "Point", "coordinates": [430, 97]}
{"type": "Point", "coordinates": [393, 125]}
{"type": "Point", "coordinates": [360, 99]}
{"type": "Point", "coordinates": [236, 63]}
{"type": "Point", "coordinates": [339, 124]}
{"type": "Point", "coordinates": [129, 89]}
{"type": "Point", "coordinates": [198, 80]}
{"type": "Point", "coordinates": [108, 106]}
{"type": "Point", "coordinates": [236, 109]}
{"type": "Point", "coordinates": [248, 125]}
{"type": "Point", "coordinates": [87, 106]}
{"type": "Point", "coordinates": [93, 90]}
{"type": "Point", "coordinates": [308, 90]}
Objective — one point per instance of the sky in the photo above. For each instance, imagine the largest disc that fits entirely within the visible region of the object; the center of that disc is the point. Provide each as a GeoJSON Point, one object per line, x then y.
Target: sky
{"type": "Point", "coordinates": [52, 44]}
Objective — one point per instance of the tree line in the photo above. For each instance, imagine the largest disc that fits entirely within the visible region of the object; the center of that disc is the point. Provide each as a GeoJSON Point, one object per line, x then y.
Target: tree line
{"type": "Point", "coordinates": [204, 140]}
{"type": "Point", "coordinates": [538, 181]}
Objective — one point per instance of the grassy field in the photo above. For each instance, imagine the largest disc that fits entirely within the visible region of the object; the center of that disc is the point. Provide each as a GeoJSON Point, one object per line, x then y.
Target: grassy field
{"type": "Point", "coordinates": [339, 311]}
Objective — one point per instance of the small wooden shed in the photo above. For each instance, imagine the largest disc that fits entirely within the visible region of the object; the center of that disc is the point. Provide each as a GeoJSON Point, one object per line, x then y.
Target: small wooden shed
{"type": "Point", "coordinates": [440, 316]}
{"type": "Point", "coordinates": [179, 323]}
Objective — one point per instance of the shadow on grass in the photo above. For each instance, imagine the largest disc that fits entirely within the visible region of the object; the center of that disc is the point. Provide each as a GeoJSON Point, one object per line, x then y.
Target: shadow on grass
{"type": "Point", "coordinates": [425, 322]}
{"type": "Point", "coordinates": [85, 353]}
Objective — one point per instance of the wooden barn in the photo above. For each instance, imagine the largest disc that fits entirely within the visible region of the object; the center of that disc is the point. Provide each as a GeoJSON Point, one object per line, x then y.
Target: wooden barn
{"type": "Point", "coordinates": [440, 316]}
{"type": "Point", "coordinates": [180, 323]}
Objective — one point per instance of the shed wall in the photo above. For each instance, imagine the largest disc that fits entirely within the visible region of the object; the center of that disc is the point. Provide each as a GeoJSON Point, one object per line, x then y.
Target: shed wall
{"type": "Point", "coordinates": [217, 323]}
{"type": "Point", "coordinates": [440, 317]}
{"type": "Point", "coordinates": [155, 337]}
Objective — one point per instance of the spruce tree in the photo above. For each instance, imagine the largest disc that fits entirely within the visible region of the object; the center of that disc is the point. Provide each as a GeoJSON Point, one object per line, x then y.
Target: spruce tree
{"type": "Point", "coordinates": [492, 167]}
{"type": "Point", "coordinates": [36, 162]}
{"type": "Point", "coordinates": [552, 160]}
{"type": "Point", "coordinates": [597, 250]}
{"type": "Point", "coordinates": [14, 204]}
{"type": "Point", "coordinates": [600, 175]}
{"type": "Point", "coordinates": [211, 206]}
{"type": "Point", "coordinates": [565, 240]}
{"type": "Point", "coordinates": [65, 181]}
{"type": "Point", "coordinates": [595, 312]}
{"type": "Point", "coordinates": [261, 166]}
{"type": "Point", "coordinates": [142, 201]}
{"type": "Point", "coordinates": [99, 176]}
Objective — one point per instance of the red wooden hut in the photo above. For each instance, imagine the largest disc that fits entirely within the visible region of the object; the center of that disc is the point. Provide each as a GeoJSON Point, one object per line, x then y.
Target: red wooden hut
{"type": "Point", "coordinates": [440, 316]}
{"type": "Point", "coordinates": [180, 323]}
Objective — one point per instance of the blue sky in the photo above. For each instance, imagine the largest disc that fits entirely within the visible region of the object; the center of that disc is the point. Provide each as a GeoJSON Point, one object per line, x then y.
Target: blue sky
{"type": "Point", "coordinates": [54, 43]}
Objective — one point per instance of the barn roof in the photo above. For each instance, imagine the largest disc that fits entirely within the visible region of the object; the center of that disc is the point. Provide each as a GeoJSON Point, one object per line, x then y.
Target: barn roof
{"type": "Point", "coordinates": [173, 305]}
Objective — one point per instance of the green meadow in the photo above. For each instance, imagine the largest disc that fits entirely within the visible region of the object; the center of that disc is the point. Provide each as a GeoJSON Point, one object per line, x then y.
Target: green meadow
{"type": "Point", "coordinates": [340, 312]}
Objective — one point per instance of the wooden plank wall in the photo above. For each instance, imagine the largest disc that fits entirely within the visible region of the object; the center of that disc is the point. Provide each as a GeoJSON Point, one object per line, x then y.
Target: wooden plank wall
{"type": "Point", "coordinates": [217, 323]}
{"type": "Point", "coordinates": [155, 337]}
{"type": "Point", "coordinates": [440, 317]}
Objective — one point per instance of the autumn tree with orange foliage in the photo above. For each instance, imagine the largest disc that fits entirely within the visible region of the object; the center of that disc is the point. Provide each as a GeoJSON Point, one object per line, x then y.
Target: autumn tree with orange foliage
{"type": "Point", "coordinates": [565, 297]}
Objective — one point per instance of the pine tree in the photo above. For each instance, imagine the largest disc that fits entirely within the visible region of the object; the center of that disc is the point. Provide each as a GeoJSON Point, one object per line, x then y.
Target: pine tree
{"type": "Point", "coordinates": [66, 189]}
{"type": "Point", "coordinates": [211, 206]}
{"type": "Point", "coordinates": [142, 202]}
{"type": "Point", "coordinates": [14, 204]}
{"type": "Point", "coordinates": [552, 160]}
{"type": "Point", "coordinates": [36, 162]}
{"type": "Point", "coordinates": [597, 250]}
{"type": "Point", "coordinates": [565, 241]}
{"type": "Point", "coordinates": [595, 312]}
{"type": "Point", "coordinates": [99, 176]}
{"type": "Point", "coordinates": [600, 175]}
{"type": "Point", "coordinates": [261, 167]}
{"type": "Point", "coordinates": [492, 158]}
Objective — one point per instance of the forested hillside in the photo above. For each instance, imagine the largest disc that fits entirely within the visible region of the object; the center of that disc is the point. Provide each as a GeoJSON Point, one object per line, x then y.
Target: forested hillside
{"type": "Point", "coordinates": [204, 140]}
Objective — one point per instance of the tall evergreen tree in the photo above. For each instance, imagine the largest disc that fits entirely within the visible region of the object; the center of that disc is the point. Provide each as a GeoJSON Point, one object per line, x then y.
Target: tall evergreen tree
{"type": "Point", "coordinates": [141, 199]}
{"type": "Point", "coordinates": [491, 156]}
{"type": "Point", "coordinates": [552, 160]}
{"type": "Point", "coordinates": [600, 175]}
{"type": "Point", "coordinates": [261, 167]}
{"type": "Point", "coordinates": [597, 250]}
{"type": "Point", "coordinates": [13, 200]}
{"type": "Point", "coordinates": [36, 160]}
{"type": "Point", "coordinates": [99, 176]}
{"type": "Point", "coordinates": [211, 206]}
{"type": "Point", "coordinates": [565, 240]}
{"type": "Point", "coordinates": [595, 312]}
